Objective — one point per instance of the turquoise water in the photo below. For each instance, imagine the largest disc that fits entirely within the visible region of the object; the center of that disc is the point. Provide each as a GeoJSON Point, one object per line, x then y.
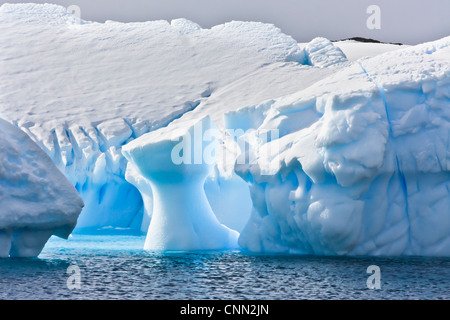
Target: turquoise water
{"type": "Point", "coordinates": [116, 267]}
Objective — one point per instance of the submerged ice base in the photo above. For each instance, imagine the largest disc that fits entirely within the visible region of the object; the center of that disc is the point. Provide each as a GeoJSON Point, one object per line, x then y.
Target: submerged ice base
{"type": "Point", "coordinates": [182, 218]}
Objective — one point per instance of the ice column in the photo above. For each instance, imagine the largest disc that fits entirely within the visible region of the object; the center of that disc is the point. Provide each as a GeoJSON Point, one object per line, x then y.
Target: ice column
{"type": "Point", "coordinates": [176, 162]}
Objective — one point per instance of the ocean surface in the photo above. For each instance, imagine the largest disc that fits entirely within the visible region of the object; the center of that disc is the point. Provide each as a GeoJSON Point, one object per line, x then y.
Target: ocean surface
{"type": "Point", "coordinates": [116, 267]}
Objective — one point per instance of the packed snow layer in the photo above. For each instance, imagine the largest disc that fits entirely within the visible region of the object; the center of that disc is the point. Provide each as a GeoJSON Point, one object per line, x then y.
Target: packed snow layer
{"type": "Point", "coordinates": [82, 90]}
{"type": "Point", "coordinates": [37, 201]}
{"type": "Point", "coordinates": [362, 162]}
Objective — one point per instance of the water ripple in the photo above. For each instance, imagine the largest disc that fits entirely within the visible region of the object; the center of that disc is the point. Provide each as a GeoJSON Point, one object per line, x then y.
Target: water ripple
{"type": "Point", "coordinates": [117, 268]}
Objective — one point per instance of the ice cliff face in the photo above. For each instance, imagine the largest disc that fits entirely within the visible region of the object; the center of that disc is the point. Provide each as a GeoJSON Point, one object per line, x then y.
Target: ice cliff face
{"type": "Point", "coordinates": [36, 200]}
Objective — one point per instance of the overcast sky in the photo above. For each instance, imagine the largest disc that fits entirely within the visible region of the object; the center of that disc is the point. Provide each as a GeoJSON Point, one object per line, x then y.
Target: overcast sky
{"type": "Point", "coordinates": [406, 21]}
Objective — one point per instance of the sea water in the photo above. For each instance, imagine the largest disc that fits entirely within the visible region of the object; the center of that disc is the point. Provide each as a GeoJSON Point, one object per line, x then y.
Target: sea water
{"type": "Point", "coordinates": [116, 267]}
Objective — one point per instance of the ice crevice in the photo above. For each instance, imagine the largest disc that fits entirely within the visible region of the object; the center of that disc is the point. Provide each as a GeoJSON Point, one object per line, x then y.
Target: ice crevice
{"type": "Point", "coordinates": [401, 176]}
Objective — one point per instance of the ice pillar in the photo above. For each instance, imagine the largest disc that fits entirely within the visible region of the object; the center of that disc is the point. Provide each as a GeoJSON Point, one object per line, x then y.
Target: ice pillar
{"type": "Point", "coordinates": [176, 162]}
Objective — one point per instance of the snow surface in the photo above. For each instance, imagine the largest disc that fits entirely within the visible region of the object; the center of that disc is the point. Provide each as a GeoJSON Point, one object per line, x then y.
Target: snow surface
{"type": "Point", "coordinates": [37, 201]}
{"type": "Point", "coordinates": [355, 162]}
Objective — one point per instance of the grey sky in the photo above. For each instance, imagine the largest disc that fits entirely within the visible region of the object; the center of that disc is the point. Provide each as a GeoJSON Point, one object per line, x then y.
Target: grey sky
{"type": "Point", "coordinates": [406, 21]}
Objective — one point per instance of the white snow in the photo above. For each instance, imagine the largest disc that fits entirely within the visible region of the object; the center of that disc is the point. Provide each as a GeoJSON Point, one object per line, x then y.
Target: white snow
{"type": "Point", "coordinates": [345, 143]}
{"type": "Point", "coordinates": [37, 201]}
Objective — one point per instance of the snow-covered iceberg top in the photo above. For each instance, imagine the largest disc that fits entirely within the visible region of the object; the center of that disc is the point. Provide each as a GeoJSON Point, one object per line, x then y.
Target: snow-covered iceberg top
{"type": "Point", "coordinates": [36, 199]}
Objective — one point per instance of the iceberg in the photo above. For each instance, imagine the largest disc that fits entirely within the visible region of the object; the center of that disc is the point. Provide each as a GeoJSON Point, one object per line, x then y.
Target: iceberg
{"type": "Point", "coordinates": [37, 201]}
{"type": "Point", "coordinates": [359, 164]}
{"type": "Point", "coordinates": [319, 148]}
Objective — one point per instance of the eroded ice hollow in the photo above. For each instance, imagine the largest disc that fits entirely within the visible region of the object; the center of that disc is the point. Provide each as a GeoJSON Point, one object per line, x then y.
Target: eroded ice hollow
{"type": "Point", "coordinates": [36, 200]}
{"type": "Point", "coordinates": [176, 165]}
